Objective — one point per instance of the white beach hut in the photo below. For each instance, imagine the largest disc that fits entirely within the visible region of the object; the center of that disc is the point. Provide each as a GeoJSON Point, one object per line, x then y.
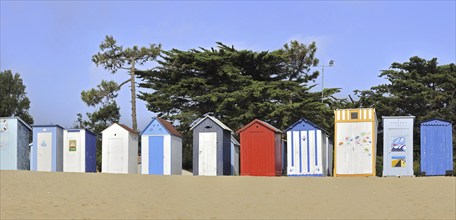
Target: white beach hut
{"type": "Point", "coordinates": [119, 149]}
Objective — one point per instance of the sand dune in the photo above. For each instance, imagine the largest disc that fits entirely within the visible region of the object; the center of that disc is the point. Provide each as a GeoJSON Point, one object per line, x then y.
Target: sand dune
{"type": "Point", "coordinates": [41, 195]}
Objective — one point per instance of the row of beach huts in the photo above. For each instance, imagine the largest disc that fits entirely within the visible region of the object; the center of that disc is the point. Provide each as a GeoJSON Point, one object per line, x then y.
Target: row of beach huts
{"type": "Point", "coordinates": [305, 150]}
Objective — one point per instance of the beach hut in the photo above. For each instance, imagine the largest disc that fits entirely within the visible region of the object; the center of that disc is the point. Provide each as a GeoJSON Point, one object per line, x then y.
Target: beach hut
{"type": "Point", "coordinates": [211, 147]}
{"type": "Point", "coordinates": [355, 142]}
{"type": "Point", "coordinates": [398, 145]}
{"type": "Point", "coordinates": [261, 151]}
{"type": "Point", "coordinates": [14, 144]}
{"type": "Point", "coordinates": [79, 151]}
{"type": "Point", "coordinates": [310, 150]}
{"type": "Point", "coordinates": [436, 148]}
{"type": "Point", "coordinates": [119, 149]}
{"type": "Point", "coordinates": [161, 149]}
{"type": "Point", "coordinates": [234, 156]}
{"type": "Point", "coordinates": [47, 148]}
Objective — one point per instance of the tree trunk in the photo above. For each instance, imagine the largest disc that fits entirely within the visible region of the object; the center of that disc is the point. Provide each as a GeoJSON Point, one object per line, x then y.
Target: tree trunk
{"type": "Point", "coordinates": [133, 96]}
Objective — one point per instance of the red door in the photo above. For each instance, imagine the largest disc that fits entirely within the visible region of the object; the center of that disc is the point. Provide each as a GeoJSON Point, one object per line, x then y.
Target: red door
{"type": "Point", "coordinates": [257, 151]}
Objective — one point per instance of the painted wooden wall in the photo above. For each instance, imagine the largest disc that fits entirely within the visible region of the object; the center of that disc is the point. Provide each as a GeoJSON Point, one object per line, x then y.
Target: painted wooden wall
{"type": "Point", "coordinates": [355, 142]}
{"type": "Point", "coordinates": [436, 148]}
{"type": "Point", "coordinates": [211, 148]}
{"type": "Point", "coordinates": [161, 149]}
{"type": "Point", "coordinates": [119, 150]}
{"type": "Point", "coordinates": [79, 151]}
{"type": "Point", "coordinates": [261, 149]}
{"type": "Point", "coordinates": [14, 144]}
{"type": "Point", "coordinates": [47, 148]}
{"type": "Point", "coordinates": [398, 145]}
{"type": "Point", "coordinates": [308, 152]}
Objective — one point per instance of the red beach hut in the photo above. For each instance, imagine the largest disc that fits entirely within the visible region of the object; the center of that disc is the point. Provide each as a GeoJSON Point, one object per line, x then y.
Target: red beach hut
{"type": "Point", "coordinates": [261, 152]}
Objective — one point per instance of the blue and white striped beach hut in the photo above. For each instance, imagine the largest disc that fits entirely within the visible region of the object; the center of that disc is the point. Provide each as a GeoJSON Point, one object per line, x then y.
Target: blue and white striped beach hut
{"type": "Point", "coordinates": [309, 150]}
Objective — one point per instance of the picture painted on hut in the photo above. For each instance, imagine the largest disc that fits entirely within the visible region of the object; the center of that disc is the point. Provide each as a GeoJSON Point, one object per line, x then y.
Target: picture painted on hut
{"type": "Point", "coordinates": [398, 161]}
{"type": "Point", "coordinates": [72, 144]}
{"type": "Point", "coordinates": [361, 139]}
{"type": "Point", "coordinates": [398, 144]}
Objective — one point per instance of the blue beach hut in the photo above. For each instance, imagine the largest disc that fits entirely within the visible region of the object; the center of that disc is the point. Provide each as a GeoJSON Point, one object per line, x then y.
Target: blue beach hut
{"type": "Point", "coordinates": [161, 149]}
{"type": "Point", "coordinates": [436, 148]}
{"type": "Point", "coordinates": [47, 148]}
{"type": "Point", "coordinates": [14, 144]}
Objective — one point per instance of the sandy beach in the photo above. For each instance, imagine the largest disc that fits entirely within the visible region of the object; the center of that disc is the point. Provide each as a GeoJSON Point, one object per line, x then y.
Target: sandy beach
{"type": "Point", "coordinates": [42, 195]}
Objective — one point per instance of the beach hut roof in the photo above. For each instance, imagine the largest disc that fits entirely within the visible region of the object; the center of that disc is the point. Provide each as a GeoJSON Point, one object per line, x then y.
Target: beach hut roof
{"type": "Point", "coordinates": [305, 121]}
{"type": "Point", "coordinates": [79, 129]}
{"type": "Point", "coordinates": [124, 127]}
{"type": "Point", "coordinates": [435, 122]}
{"type": "Point", "coordinates": [267, 125]}
{"type": "Point", "coordinates": [20, 120]}
{"type": "Point", "coordinates": [218, 122]}
{"type": "Point", "coordinates": [167, 125]}
{"type": "Point", "coordinates": [54, 125]}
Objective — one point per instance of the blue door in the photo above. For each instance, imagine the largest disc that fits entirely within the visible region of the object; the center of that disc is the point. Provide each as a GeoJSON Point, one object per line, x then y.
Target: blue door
{"type": "Point", "coordinates": [436, 150]}
{"type": "Point", "coordinates": [156, 155]}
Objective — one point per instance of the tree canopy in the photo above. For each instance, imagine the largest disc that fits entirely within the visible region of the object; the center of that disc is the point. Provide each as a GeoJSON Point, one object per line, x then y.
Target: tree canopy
{"type": "Point", "coordinates": [108, 112]}
{"type": "Point", "coordinates": [114, 57]}
{"type": "Point", "coordinates": [13, 97]}
{"type": "Point", "coordinates": [237, 86]}
{"type": "Point", "coordinates": [419, 87]}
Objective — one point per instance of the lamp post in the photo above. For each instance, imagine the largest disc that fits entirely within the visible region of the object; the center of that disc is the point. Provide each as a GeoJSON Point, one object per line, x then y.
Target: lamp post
{"type": "Point", "coordinates": [331, 64]}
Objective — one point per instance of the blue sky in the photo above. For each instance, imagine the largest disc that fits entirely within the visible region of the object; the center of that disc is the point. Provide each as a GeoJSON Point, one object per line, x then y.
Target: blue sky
{"type": "Point", "coordinates": [50, 43]}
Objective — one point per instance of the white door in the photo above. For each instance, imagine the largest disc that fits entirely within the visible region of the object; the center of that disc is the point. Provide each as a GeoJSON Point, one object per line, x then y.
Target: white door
{"type": "Point", "coordinates": [44, 152]}
{"type": "Point", "coordinates": [115, 158]}
{"type": "Point", "coordinates": [354, 148]}
{"type": "Point", "coordinates": [72, 153]}
{"type": "Point", "coordinates": [207, 161]}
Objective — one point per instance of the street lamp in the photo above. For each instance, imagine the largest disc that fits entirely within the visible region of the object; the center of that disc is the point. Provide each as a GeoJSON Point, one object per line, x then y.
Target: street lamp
{"type": "Point", "coordinates": [331, 64]}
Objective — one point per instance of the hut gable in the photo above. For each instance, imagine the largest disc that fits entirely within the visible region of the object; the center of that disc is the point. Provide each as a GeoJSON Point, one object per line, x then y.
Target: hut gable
{"type": "Point", "coordinates": [303, 125]}
{"type": "Point", "coordinates": [128, 128]}
{"type": "Point", "coordinates": [208, 117]}
{"type": "Point", "coordinates": [436, 122]}
{"type": "Point", "coordinates": [264, 124]}
{"type": "Point", "coordinates": [161, 126]}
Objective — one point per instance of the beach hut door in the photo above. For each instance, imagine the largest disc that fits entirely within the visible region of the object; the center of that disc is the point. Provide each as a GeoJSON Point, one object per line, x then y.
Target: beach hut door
{"type": "Point", "coordinates": [73, 155]}
{"type": "Point", "coordinates": [115, 159]}
{"type": "Point", "coordinates": [44, 150]}
{"type": "Point", "coordinates": [156, 155]}
{"type": "Point", "coordinates": [207, 162]}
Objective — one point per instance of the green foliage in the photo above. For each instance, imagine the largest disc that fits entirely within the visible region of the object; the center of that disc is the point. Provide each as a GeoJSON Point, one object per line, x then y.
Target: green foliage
{"type": "Point", "coordinates": [379, 166]}
{"type": "Point", "coordinates": [107, 114]}
{"type": "Point", "coordinates": [113, 57]}
{"type": "Point", "coordinates": [420, 88]}
{"type": "Point", "coordinates": [237, 86]}
{"type": "Point", "coordinates": [13, 98]}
